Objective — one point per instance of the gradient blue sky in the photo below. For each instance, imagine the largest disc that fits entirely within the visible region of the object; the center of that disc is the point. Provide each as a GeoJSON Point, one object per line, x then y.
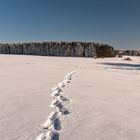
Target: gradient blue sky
{"type": "Point", "coordinates": [116, 22]}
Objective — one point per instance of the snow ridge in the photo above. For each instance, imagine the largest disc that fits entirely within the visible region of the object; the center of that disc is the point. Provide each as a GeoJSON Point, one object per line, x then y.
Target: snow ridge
{"type": "Point", "coordinates": [53, 123]}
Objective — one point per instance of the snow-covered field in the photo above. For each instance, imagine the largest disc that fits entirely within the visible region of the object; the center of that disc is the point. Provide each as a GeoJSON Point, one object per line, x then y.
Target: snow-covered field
{"type": "Point", "coordinates": [103, 98]}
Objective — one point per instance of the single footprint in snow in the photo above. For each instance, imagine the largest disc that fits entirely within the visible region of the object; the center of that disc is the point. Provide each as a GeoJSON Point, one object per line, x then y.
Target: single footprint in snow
{"type": "Point", "coordinates": [52, 135]}
{"type": "Point", "coordinates": [63, 98]}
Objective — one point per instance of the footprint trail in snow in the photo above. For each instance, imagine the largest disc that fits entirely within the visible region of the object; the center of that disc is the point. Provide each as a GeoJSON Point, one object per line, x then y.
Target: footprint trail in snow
{"type": "Point", "coordinates": [53, 123]}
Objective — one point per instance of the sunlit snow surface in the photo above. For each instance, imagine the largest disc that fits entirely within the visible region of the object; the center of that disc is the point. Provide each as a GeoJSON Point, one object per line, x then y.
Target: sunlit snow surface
{"type": "Point", "coordinates": [103, 98]}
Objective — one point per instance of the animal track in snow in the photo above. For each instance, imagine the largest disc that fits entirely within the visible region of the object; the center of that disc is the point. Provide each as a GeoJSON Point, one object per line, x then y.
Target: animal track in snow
{"type": "Point", "coordinates": [53, 122]}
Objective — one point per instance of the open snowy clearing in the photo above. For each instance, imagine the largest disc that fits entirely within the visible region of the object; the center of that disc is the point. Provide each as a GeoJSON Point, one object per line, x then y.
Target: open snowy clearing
{"type": "Point", "coordinates": [103, 97]}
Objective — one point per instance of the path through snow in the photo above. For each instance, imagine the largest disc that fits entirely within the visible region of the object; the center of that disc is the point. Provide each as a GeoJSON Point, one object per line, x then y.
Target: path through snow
{"type": "Point", "coordinates": [53, 123]}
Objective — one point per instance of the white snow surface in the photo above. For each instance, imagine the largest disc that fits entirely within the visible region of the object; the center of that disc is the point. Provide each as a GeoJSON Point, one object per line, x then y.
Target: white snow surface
{"type": "Point", "coordinates": [104, 93]}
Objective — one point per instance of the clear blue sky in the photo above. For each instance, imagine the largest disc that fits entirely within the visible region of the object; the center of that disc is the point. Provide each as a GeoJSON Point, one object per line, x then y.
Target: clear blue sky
{"type": "Point", "coordinates": [116, 22]}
